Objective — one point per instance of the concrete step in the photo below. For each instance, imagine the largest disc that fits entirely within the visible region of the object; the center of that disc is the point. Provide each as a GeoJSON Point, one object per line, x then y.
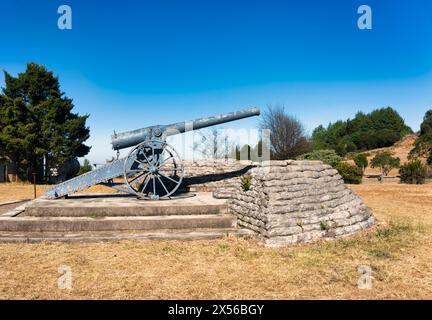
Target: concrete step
{"type": "Point", "coordinates": [109, 211]}
{"type": "Point", "coordinates": [203, 204]}
{"type": "Point", "coordinates": [186, 234]}
{"type": "Point", "coordinates": [77, 224]}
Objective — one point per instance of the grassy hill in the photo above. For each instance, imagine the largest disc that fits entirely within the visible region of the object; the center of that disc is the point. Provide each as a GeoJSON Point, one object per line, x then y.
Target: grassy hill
{"type": "Point", "coordinates": [400, 149]}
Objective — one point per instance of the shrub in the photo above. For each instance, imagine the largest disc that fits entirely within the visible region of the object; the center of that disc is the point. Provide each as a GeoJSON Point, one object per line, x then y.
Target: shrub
{"type": "Point", "coordinates": [246, 182]}
{"type": "Point", "coordinates": [413, 172]}
{"type": "Point", "coordinates": [324, 226]}
{"type": "Point", "coordinates": [361, 161]}
{"type": "Point", "coordinates": [385, 161]}
{"type": "Point", "coordinates": [350, 174]}
{"type": "Point", "coordinates": [328, 156]}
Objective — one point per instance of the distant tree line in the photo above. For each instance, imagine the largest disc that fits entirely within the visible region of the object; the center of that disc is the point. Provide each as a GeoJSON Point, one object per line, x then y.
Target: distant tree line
{"type": "Point", "coordinates": [377, 129]}
{"type": "Point", "coordinates": [289, 139]}
{"type": "Point", "coordinates": [334, 144]}
{"type": "Point", "coordinates": [349, 139]}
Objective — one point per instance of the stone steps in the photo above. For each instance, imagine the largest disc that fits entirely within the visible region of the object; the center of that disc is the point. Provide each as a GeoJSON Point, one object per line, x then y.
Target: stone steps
{"type": "Point", "coordinates": [83, 218]}
{"type": "Point", "coordinates": [78, 224]}
{"type": "Point", "coordinates": [79, 237]}
{"type": "Point", "coordinates": [97, 206]}
{"type": "Point", "coordinates": [119, 211]}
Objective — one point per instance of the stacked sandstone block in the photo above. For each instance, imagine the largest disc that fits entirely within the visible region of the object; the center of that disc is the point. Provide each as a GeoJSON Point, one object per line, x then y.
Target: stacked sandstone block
{"type": "Point", "coordinates": [298, 201]}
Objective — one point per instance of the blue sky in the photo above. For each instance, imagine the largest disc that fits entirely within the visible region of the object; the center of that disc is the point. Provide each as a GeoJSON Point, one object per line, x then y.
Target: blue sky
{"type": "Point", "coordinates": [131, 64]}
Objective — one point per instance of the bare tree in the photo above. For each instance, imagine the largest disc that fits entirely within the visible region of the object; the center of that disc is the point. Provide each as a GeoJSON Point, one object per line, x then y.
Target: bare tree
{"type": "Point", "coordinates": [214, 143]}
{"type": "Point", "coordinates": [287, 135]}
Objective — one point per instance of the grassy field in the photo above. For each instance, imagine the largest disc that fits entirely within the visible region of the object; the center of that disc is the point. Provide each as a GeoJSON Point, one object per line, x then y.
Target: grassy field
{"type": "Point", "coordinates": [398, 250]}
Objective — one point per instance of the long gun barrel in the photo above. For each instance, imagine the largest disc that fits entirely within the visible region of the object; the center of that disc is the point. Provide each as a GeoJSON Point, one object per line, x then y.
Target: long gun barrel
{"type": "Point", "coordinates": [132, 138]}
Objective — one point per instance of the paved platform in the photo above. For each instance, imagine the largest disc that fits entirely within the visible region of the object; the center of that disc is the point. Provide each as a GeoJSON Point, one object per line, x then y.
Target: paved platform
{"type": "Point", "coordinates": [124, 205]}
{"type": "Point", "coordinates": [88, 218]}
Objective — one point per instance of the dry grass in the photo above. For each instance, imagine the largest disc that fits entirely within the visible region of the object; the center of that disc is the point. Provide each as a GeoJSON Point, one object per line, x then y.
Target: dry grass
{"type": "Point", "coordinates": [398, 251]}
{"type": "Point", "coordinates": [23, 191]}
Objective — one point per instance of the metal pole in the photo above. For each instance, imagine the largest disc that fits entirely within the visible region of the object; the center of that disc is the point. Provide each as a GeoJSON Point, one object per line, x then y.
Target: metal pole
{"type": "Point", "coordinates": [34, 185]}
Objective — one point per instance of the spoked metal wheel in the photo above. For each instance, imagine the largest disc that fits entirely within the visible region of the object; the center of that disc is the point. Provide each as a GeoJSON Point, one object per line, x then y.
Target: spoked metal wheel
{"type": "Point", "coordinates": [153, 170]}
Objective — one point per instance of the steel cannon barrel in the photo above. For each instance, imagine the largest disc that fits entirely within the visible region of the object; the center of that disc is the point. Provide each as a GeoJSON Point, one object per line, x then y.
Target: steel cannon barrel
{"type": "Point", "coordinates": [132, 138]}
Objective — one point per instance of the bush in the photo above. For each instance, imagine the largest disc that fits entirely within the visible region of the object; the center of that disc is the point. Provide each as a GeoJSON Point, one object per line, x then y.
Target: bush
{"type": "Point", "coordinates": [327, 156]}
{"type": "Point", "coordinates": [361, 161]}
{"type": "Point", "coordinates": [413, 172]}
{"type": "Point", "coordinates": [350, 174]}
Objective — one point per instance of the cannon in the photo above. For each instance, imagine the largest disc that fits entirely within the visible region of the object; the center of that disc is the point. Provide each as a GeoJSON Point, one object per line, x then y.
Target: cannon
{"type": "Point", "coordinates": [153, 169]}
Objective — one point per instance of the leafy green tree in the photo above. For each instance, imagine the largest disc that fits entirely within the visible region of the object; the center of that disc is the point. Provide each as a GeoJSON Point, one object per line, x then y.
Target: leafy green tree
{"type": "Point", "coordinates": [85, 167]}
{"type": "Point", "coordinates": [361, 161]}
{"type": "Point", "coordinates": [37, 122]}
{"type": "Point", "coordinates": [345, 145]}
{"type": "Point", "coordinates": [388, 118]}
{"type": "Point", "coordinates": [385, 161]}
{"type": "Point", "coordinates": [319, 138]}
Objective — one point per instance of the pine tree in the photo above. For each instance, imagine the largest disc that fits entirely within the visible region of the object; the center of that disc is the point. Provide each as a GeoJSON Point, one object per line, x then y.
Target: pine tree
{"type": "Point", "coordinates": [36, 122]}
